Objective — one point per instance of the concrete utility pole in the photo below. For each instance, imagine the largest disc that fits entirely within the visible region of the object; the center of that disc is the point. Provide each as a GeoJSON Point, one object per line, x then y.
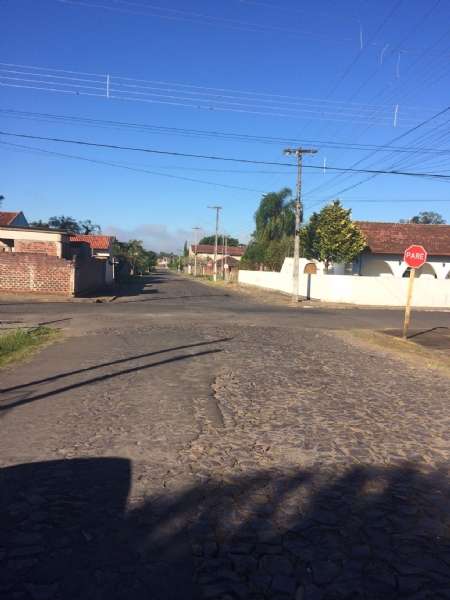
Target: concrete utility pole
{"type": "Point", "coordinates": [298, 152]}
{"type": "Point", "coordinates": [217, 209]}
{"type": "Point", "coordinates": [196, 230]}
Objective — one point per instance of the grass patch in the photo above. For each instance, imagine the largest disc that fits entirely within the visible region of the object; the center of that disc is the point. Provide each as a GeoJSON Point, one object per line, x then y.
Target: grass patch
{"type": "Point", "coordinates": [409, 351]}
{"type": "Point", "coordinates": [19, 343]}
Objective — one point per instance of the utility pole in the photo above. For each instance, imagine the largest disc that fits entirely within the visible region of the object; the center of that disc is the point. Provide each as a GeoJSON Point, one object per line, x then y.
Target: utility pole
{"type": "Point", "coordinates": [223, 256]}
{"type": "Point", "coordinates": [217, 209]}
{"type": "Point", "coordinates": [226, 259]}
{"type": "Point", "coordinates": [298, 152]}
{"type": "Point", "coordinates": [196, 230]}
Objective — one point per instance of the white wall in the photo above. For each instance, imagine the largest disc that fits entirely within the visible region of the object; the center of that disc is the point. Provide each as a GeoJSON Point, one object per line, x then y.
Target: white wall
{"type": "Point", "coordinates": [393, 264]}
{"type": "Point", "coordinates": [353, 289]}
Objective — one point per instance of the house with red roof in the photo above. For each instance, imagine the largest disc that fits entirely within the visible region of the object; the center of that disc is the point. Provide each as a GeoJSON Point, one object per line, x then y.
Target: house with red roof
{"type": "Point", "coordinates": [100, 247]}
{"type": "Point", "coordinates": [206, 251]}
{"type": "Point", "coordinates": [387, 242]}
{"type": "Point", "coordinates": [51, 261]}
{"type": "Point", "coordinates": [12, 219]}
{"type": "Point", "coordinates": [228, 257]}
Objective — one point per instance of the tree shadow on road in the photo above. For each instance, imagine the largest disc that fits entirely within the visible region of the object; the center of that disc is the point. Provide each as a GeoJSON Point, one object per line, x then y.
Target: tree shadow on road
{"type": "Point", "coordinates": [69, 531]}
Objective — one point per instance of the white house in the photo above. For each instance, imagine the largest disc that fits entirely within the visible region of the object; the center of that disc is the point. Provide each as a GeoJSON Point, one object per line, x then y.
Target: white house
{"type": "Point", "coordinates": [386, 243]}
{"type": "Point", "coordinates": [377, 277]}
{"type": "Point", "coordinates": [205, 252]}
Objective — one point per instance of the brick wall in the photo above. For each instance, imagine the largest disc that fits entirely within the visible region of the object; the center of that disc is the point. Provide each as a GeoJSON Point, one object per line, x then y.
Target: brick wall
{"type": "Point", "coordinates": [33, 246]}
{"type": "Point", "coordinates": [36, 273]}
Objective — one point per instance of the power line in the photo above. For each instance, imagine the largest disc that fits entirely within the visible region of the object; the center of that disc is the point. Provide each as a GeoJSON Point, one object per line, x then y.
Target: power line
{"type": "Point", "coordinates": [227, 135]}
{"type": "Point", "coordinates": [158, 82]}
{"type": "Point", "coordinates": [194, 96]}
{"type": "Point", "coordinates": [24, 148]}
{"type": "Point", "coordinates": [191, 17]}
{"type": "Point", "coordinates": [213, 157]}
{"type": "Point", "coordinates": [128, 168]}
{"type": "Point", "coordinates": [410, 69]}
{"type": "Point", "coordinates": [394, 140]}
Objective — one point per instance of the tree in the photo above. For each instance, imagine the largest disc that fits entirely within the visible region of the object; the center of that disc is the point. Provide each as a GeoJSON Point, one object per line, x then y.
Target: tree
{"type": "Point", "coordinates": [134, 254]}
{"type": "Point", "coordinates": [275, 216]}
{"type": "Point", "coordinates": [1, 199]}
{"type": "Point", "coordinates": [254, 255]}
{"type": "Point", "coordinates": [276, 251]}
{"type": "Point", "coordinates": [332, 237]}
{"type": "Point", "coordinates": [39, 224]}
{"type": "Point", "coordinates": [273, 237]}
{"type": "Point", "coordinates": [428, 218]}
{"type": "Point", "coordinates": [210, 240]}
{"type": "Point", "coordinates": [63, 222]}
{"type": "Point", "coordinates": [185, 249]}
{"type": "Point", "coordinates": [88, 227]}
{"type": "Point", "coordinates": [70, 224]}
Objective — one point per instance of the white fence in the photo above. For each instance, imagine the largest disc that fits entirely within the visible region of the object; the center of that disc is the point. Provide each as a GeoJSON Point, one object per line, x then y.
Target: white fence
{"type": "Point", "coordinates": [353, 289]}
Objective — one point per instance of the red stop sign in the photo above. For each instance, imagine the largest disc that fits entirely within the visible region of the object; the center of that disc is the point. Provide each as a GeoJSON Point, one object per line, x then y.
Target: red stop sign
{"type": "Point", "coordinates": [415, 256]}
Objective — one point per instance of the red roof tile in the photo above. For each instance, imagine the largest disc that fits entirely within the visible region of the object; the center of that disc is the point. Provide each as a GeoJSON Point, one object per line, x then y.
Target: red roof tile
{"type": "Point", "coordinates": [7, 217]}
{"type": "Point", "coordinates": [96, 242]}
{"type": "Point", "coordinates": [209, 249]}
{"type": "Point", "coordinates": [394, 238]}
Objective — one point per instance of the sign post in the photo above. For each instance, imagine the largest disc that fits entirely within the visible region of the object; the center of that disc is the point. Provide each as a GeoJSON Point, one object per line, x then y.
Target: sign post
{"type": "Point", "coordinates": [415, 256]}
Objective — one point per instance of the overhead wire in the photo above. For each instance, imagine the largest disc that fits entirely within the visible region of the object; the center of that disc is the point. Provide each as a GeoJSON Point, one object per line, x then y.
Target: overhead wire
{"type": "Point", "coordinates": [128, 167]}
{"type": "Point", "coordinates": [210, 99]}
{"type": "Point", "coordinates": [214, 157]}
{"type": "Point", "coordinates": [192, 17]}
{"type": "Point", "coordinates": [204, 133]}
{"type": "Point", "coordinates": [415, 79]}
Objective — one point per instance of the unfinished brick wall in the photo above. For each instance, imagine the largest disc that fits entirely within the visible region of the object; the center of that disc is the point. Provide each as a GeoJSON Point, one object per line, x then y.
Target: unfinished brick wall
{"type": "Point", "coordinates": [36, 273]}
{"type": "Point", "coordinates": [35, 247]}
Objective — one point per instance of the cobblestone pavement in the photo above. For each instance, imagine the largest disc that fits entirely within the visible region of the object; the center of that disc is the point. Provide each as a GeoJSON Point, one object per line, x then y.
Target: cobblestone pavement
{"type": "Point", "coordinates": [184, 454]}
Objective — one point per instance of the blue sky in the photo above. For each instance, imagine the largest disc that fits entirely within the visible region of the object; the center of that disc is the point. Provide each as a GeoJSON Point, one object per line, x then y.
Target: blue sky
{"type": "Point", "coordinates": [321, 74]}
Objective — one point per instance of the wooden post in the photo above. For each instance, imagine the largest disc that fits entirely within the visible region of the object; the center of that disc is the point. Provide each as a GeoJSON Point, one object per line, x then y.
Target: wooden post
{"type": "Point", "coordinates": [412, 274]}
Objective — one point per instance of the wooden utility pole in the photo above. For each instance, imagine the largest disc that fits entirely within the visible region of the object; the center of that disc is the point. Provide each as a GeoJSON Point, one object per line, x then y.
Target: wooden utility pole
{"type": "Point", "coordinates": [196, 230]}
{"type": "Point", "coordinates": [217, 209]}
{"type": "Point", "coordinates": [298, 152]}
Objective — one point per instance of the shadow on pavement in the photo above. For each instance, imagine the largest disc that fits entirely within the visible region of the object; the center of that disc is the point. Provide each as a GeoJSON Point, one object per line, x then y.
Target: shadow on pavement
{"type": "Point", "coordinates": [435, 338]}
{"type": "Point", "coordinates": [27, 397]}
{"type": "Point", "coordinates": [183, 297]}
{"type": "Point", "coordinates": [113, 362]}
{"type": "Point", "coordinates": [374, 533]}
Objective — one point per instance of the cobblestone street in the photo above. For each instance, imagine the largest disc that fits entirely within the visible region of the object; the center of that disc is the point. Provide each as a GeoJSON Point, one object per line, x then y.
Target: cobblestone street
{"type": "Point", "coordinates": [189, 445]}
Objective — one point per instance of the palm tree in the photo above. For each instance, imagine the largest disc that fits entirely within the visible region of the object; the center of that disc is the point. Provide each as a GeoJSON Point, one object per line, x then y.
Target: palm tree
{"type": "Point", "coordinates": [275, 218]}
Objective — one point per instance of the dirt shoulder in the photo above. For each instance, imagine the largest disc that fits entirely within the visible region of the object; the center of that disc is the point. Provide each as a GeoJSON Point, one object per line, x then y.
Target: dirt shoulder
{"type": "Point", "coordinates": [423, 349]}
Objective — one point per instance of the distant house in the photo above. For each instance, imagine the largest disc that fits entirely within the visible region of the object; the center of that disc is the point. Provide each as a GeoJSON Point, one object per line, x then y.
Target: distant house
{"type": "Point", "coordinates": [163, 262]}
{"type": "Point", "coordinates": [386, 243]}
{"type": "Point", "coordinates": [47, 261]}
{"type": "Point", "coordinates": [13, 219]}
{"type": "Point", "coordinates": [100, 247]}
{"type": "Point", "coordinates": [206, 251]}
